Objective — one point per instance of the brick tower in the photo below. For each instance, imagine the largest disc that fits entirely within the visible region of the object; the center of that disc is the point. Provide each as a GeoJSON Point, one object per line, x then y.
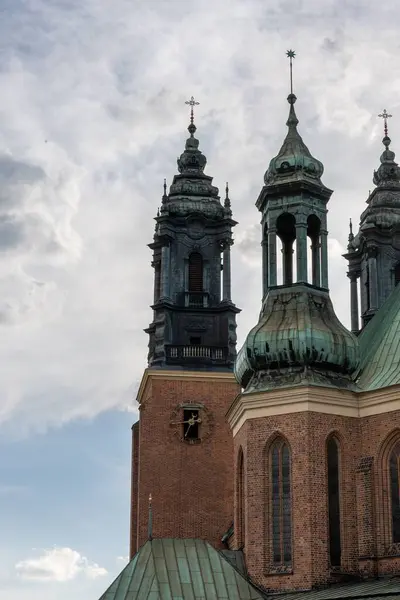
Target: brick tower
{"type": "Point", "coordinates": [182, 444]}
{"type": "Point", "coordinates": [293, 416]}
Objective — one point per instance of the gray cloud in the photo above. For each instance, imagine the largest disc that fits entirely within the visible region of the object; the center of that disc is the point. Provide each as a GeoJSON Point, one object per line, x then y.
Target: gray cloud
{"type": "Point", "coordinates": [106, 89]}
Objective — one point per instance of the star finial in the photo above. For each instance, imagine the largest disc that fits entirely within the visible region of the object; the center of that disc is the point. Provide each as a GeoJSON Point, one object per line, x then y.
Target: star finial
{"type": "Point", "coordinates": [291, 54]}
{"type": "Point", "coordinates": [385, 116]}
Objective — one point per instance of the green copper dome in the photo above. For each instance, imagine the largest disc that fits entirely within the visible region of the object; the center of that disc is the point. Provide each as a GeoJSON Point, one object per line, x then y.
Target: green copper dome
{"type": "Point", "coordinates": [294, 160]}
{"type": "Point", "coordinates": [297, 337]}
{"type": "Point", "coordinates": [192, 190]}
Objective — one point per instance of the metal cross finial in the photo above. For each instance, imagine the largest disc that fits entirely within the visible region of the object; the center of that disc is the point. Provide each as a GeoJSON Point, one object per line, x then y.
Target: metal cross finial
{"type": "Point", "coordinates": [291, 54]}
{"type": "Point", "coordinates": [192, 102]}
{"type": "Point", "coordinates": [385, 116]}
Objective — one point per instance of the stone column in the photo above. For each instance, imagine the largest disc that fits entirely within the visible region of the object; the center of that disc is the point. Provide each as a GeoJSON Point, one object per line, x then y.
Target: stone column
{"type": "Point", "coordinates": [373, 279]}
{"type": "Point", "coordinates": [226, 273]}
{"type": "Point", "coordinates": [324, 259]}
{"type": "Point", "coordinates": [264, 245]}
{"type": "Point", "coordinates": [287, 263]}
{"type": "Point", "coordinates": [316, 262]}
{"type": "Point", "coordinates": [272, 257]}
{"type": "Point", "coordinates": [165, 268]}
{"type": "Point", "coordinates": [301, 247]}
{"type": "Point", "coordinates": [354, 303]}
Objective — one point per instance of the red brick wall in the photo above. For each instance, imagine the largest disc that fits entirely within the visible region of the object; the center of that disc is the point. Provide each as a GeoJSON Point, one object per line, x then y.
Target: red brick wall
{"type": "Point", "coordinates": [306, 434]}
{"type": "Point", "coordinates": [379, 433]}
{"type": "Point", "coordinates": [364, 498]}
{"type": "Point", "coordinates": [134, 488]}
{"type": "Point", "coordinates": [191, 485]}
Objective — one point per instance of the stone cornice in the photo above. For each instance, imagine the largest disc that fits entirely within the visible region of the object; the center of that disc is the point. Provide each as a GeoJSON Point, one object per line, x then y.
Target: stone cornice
{"type": "Point", "coordinates": [180, 375]}
{"type": "Point", "coordinates": [314, 399]}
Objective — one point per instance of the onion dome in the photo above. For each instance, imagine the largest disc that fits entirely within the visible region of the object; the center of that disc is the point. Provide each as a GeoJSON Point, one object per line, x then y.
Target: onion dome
{"type": "Point", "coordinates": [294, 160]}
{"type": "Point", "coordinates": [298, 339]}
{"type": "Point", "coordinates": [383, 208]}
{"type": "Point", "coordinates": [192, 160]}
{"type": "Point", "coordinates": [389, 171]}
{"type": "Point", "coordinates": [192, 191]}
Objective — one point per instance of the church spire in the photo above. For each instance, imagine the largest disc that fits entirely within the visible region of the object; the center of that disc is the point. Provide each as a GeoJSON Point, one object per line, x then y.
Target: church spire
{"type": "Point", "coordinates": [298, 330]}
{"type": "Point", "coordinates": [294, 160]}
{"type": "Point", "coordinates": [373, 255]}
{"type": "Point", "coordinates": [192, 289]}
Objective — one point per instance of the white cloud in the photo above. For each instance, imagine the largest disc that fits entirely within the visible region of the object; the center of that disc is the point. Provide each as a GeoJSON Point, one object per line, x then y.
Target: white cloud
{"type": "Point", "coordinates": [92, 116]}
{"type": "Point", "coordinates": [58, 564]}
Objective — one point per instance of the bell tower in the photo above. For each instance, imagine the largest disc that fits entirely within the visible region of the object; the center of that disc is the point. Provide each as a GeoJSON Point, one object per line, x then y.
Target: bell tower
{"type": "Point", "coordinates": [182, 445]}
{"type": "Point", "coordinates": [295, 369]}
{"type": "Point", "coordinates": [373, 253]}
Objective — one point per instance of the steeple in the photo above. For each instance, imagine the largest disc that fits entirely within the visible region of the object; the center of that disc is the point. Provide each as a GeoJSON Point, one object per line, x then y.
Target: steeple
{"type": "Point", "coordinates": [194, 322]}
{"type": "Point", "coordinates": [373, 253]}
{"type": "Point", "coordinates": [298, 336]}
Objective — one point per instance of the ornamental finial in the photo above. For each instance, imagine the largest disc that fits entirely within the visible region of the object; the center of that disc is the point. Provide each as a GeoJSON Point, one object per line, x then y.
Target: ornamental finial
{"type": "Point", "coordinates": [164, 196]}
{"type": "Point", "coordinates": [227, 202]}
{"type": "Point", "coordinates": [192, 103]}
{"type": "Point", "coordinates": [385, 116]}
{"type": "Point", "coordinates": [291, 54]}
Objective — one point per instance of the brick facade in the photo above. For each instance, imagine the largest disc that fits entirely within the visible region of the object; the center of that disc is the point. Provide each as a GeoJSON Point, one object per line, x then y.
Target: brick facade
{"type": "Point", "coordinates": [191, 485]}
{"type": "Point", "coordinates": [365, 512]}
{"type": "Point", "coordinates": [199, 489]}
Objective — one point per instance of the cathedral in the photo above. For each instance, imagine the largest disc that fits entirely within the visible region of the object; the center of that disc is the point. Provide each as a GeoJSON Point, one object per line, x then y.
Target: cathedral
{"type": "Point", "coordinates": [272, 470]}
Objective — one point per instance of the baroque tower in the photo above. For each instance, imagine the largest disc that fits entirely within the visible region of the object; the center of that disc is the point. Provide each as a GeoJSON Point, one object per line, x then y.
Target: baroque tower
{"type": "Point", "coordinates": [295, 368]}
{"type": "Point", "coordinates": [182, 445]}
{"type": "Point", "coordinates": [374, 253]}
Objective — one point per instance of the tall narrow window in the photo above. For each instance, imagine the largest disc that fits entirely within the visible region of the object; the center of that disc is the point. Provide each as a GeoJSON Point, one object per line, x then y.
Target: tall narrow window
{"type": "Point", "coordinates": [334, 502]}
{"type": "Point", "coordinates": [281, 504]}
{"type": "Point", "coordinates": [195, 272]}
{"type": "Point", "coordinates": [394, 462]}
{"type": "Point", "coordinates": [241, 501]}
{"type": "Point", "coordinates": [397, 274]}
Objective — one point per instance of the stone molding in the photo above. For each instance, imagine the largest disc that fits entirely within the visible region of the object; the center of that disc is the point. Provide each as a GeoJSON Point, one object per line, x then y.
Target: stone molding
{"type": "Point", "coordinates": [314, 399]}
{"type": "Point", "coordinates": [168, 374]}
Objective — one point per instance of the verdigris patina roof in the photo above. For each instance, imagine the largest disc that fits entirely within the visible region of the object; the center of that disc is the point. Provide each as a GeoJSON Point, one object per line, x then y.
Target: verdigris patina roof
{"type": "Point", "coordinates": [298, 339]}
{"type": "Point", "coordinates": [192, 190]}
{"type": "Point", "coordinates": [180, 569]}
{"type": "Point", "coordinates": [380, 346]}
{"type": "Point", "coordinates": [294, 161]}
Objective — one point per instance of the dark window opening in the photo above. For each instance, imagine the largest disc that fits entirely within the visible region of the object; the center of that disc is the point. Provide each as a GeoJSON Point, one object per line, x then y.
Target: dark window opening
{"type": "Point", "coordinates": [195, 341]}
{"type": "Point", "coordinates": [241, 502]}
{"type": "Point", "coordinates": [367, 288]}
{"type": "Point", "coordinates": [397, 274]}
{"type": "Point", "coordinates": [191, 424]}
{"type": "Point", "coordinates": [195, 272]}
{"type": "Point", "coordinates": [394, 463]}
{"type": "Point", "coordinates": [281, 505]}
{"type": "Point", "coordinates": [334, 503]}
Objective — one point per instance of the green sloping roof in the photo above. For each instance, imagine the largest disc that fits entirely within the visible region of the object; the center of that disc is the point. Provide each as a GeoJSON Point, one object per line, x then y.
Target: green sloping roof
{"type": "Point", "coordinates": [380, 346]}
{"type": "Point", "coordinates": [380, 589]}
{"type": "Point", "coordinates": [179, 569]}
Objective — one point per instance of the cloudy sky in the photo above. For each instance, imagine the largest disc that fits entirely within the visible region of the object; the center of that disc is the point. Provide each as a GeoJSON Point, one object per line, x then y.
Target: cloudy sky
{"type": "Point", "coordinates": [92, 117]}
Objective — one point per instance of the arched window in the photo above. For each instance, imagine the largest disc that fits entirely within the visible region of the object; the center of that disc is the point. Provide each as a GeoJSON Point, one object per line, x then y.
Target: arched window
{"type": "Point", "coordinates": [195, 272]}
{"type": "Point", "coordinates": [241, 515]}
{"type": "Point", "coordinates": [397, 274]}
{"type": "Point", "coordinates": [334, 502]}
{"type": "Point", "coordinates": [394, 465]}
{"type": "Point", "coordinates": [314, 266]}
{"type": "Point", "coordinates": [281, 522]}
{"type": "Point", "coordinates": [286, 231]}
